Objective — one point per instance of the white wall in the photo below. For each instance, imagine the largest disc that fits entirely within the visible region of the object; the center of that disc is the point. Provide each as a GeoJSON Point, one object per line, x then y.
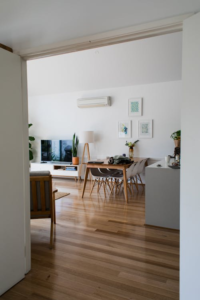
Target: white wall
{"type": "Point", "coordinates": [190, 192]}
{"type": "Point", "coordinates": [151, 60]}
{"type": "Point", "coordinates": [58, 117]}
{"type": "Point", "coordinates": [149, 68]}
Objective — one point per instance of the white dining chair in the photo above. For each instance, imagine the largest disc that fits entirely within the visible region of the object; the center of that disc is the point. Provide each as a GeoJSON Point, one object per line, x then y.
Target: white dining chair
{"type": "Point", "coordinates": [129, 172]}
{"type": "Point", "coordinates": [140, 170]}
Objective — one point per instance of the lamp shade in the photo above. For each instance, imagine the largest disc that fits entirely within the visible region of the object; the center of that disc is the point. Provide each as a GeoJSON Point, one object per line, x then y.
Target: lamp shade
{"type": "Point", "coordinates": [86, 137]}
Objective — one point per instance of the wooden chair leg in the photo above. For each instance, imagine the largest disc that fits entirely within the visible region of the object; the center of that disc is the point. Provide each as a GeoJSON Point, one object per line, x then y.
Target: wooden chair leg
{"type": "Point", "coordinates": [128, 185]}
{"type": "Point", "coordinates": [112, 187]}
{"type": "Point", "coordinates": [108, 183]}
{"type": "Point", "coordinates": [104, 187]}
{"type": "Point", "coordinates": [54, 212]}
{"type": "Point", "coordinates": [140, 178]}
{"type": "Point", "coordinates": [51, 234]}
{"type": "Point", "coordinates": [99, 185]}
{"type": "Point", "coordinates": [119, 187]}
{"type": "Point", "coordinates": [54, 209]}
{"type": "Point", "coordinates": [136, 183]}
{"type": "Point", "coordinates": [132, 186]}
{"type": "Point", "coordinates": [116, 185]}
{"type": "Point", "coordinates": [92, 187]}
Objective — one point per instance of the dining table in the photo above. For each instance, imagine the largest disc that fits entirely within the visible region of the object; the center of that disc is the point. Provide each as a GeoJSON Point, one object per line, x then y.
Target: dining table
{"type": "Point", "coordinates": [106, 165]}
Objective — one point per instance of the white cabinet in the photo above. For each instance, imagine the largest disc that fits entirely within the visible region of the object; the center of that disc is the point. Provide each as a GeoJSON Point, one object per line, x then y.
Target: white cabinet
{"type": "Point", "coordinates": [41, 167]}
{"type": "Point", "coordinates": [57, 170]}
{"type": "Point", "coordinates": [162, 200]}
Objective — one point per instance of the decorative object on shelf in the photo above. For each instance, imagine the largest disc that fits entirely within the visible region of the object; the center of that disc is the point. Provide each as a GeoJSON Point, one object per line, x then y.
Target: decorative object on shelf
{"type": "Point", "coordinates": [75, 142]}
{"type": "Point", "coordinates": [135, 107]}
{"type": "Point", "coordinates": [167, 159]}
{"type": "Point", "coordinates": [31, 139]}
{"type": "Point", "coordinates": [177, 151]}
{"type": "Point", "coordinates": [176, 136]}
{"type": "Point", "coordinates": [86, 138]}
{"type": "Point", "coordinates": [145, 129]}
{"type": "Point", "coordinates": [131, 146]}
{"type": "Point", "coordinates": [111, 160]}
{"type": "Point", "coordinates": [119, 160]}
{"type": "Point", "coordinates": [124, 129]}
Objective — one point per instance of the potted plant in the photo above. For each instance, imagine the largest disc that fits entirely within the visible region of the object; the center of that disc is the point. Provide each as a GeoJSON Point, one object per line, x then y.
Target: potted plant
{"type": "Point", "coordinates": [176, 136]}
{"type": "Point", "coordinates": [131, 146]}
{"type": "Point", "coordinates": [31, 139]}
{"type": "Point", "coordinates": [75, 142]}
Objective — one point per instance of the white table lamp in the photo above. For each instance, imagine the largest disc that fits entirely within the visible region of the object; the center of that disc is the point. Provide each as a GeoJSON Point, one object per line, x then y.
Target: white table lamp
{"type": "Point", "coordinates": [86, 138]}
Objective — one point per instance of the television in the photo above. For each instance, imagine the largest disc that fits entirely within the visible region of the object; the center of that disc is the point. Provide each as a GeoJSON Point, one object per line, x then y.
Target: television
{"type": "Point", "coordinates": [56, 150]}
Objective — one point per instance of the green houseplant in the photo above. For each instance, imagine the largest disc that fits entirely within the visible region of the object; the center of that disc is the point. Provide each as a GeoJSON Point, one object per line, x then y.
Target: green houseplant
{"type": "Point", "coordinates": [31, 139]}
{"type": "Point", "coordinates": [131, 146]}
{"type": "Point", "coordinates": [176, 136]}
{"type": "Point", "coordinates": [75, 143]}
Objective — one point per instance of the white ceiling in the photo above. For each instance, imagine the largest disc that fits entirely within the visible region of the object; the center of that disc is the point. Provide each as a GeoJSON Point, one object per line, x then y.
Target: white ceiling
{"type": "Point", "coordinates": [25, 24]}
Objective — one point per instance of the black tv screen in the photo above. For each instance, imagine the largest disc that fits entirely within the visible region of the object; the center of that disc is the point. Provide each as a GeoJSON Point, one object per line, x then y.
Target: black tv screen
{"type": "Point", "coordinates": [56, 150]}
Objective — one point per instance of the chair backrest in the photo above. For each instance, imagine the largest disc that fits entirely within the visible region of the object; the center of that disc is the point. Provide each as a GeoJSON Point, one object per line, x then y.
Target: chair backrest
{"type": "Point", "coordinates": [41, 194]}
{"type": "Point", "coordinates": [107, 172]}
{"type": "Point", "coordinates": [135, 169]}
{"type": "Point", "coordinates": [129, 171]}
{"type": "Point", "coordinates": [141, 166]}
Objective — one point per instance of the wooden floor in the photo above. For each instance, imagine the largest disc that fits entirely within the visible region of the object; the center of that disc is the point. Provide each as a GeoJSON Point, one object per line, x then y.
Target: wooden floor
{"type": "Point", "coordinates": [102, 250]}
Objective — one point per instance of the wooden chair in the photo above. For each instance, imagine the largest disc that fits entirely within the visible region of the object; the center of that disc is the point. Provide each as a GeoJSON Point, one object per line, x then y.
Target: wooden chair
{"type": "Point", "coordinates": [42, 198]}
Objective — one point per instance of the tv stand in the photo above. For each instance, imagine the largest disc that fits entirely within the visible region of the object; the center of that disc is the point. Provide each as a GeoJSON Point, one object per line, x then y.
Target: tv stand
{"type": "Point", "coordinates": [57, 169]}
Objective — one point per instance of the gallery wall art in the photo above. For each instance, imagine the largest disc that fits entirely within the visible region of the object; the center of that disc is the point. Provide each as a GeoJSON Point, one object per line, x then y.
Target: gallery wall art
{"type": "Point", "coordinates": [135, 107]}
{"type": "Point", "coordinates": [124, 129]}
{"type": "Point", "coordinates": [145, 130]}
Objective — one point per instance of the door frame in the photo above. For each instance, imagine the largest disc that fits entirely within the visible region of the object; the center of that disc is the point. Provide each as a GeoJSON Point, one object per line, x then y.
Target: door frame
{"type": "Point", "coordinates": [27, 229]}
{"type": "Point", "coordinates": [132, 33]}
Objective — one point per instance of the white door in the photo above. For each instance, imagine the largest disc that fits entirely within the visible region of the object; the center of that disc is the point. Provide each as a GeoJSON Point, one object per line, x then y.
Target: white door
{"type": "Point", "coordinates": [190, 163]}
{"type": "Point", "coordinates": [14, 199]}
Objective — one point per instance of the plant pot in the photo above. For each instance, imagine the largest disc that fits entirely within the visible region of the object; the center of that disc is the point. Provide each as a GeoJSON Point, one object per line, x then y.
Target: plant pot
{"type": "Point", "coordinates": [75, 160]}
{"type": "Point", "coordinates": [131, 152]}
{"type": "Point", "coordinates": [177, 143]}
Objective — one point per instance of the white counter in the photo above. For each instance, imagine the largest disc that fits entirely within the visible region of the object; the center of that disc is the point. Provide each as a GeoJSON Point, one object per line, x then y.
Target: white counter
{"type": "Point", "coordinates": [162, 200]}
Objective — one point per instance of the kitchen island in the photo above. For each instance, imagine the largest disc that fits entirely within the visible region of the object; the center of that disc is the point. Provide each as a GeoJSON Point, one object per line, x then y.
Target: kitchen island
{"type": "Point", "coordinates": [162, 200]}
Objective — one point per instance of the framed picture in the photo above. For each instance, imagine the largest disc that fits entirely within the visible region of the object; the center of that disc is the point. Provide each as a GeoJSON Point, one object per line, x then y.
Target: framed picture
{"type": "Point", "coordinates": [145, 129]}
{"type": "Point", "coordinates": [124, 129]}
{"type": "Point", "coordinates": [135, 107]}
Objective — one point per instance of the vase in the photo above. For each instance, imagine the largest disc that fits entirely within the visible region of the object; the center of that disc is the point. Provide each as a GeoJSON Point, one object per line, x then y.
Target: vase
{"type": "Point", "coordinates": [177, 143]}
{"type": "Point", "coordinates": [131, 151]}
{"type": "Point", "coordinates": [75, 160]}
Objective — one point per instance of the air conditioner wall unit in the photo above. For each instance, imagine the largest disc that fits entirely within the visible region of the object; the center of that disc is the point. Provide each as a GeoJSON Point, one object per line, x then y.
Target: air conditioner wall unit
{"type": "Point", "coordinates": [93, 102]}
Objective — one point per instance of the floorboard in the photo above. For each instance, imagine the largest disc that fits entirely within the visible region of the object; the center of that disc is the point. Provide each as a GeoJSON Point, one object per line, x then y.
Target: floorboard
{"type": "Point", "coordinates": [102, 250]}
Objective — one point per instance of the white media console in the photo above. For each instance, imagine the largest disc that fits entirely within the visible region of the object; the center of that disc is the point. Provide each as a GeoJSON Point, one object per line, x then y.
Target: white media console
{"type": "Point", "coordinates": [57, 169]}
